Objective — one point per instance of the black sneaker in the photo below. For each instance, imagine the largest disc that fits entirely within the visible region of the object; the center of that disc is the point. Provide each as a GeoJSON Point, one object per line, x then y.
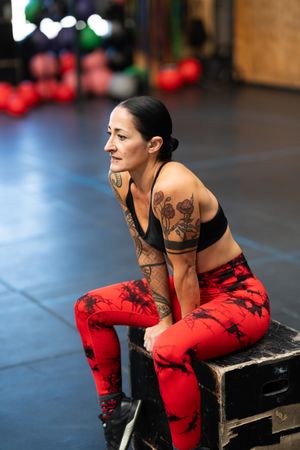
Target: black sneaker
{"type": "Point", "coordinates": [118, 428]}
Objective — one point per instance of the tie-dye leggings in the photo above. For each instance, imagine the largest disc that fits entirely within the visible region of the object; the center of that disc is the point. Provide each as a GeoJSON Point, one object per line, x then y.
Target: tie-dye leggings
{"type": "Point", "coordinates": [234, 313]}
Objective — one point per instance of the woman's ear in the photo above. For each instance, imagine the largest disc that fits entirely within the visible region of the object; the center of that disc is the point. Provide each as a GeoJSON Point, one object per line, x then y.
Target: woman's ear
{"type": "Point", "coordinates": [155, 144]}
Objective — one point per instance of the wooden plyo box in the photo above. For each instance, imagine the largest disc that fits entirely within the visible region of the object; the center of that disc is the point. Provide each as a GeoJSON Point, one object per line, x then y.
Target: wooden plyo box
{"type": "Point", "coordinates": [250, 399]}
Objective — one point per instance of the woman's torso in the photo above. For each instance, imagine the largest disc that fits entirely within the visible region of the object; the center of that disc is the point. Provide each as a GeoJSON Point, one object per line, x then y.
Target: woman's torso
{"type": "Point", "coordinates": [214, 255]}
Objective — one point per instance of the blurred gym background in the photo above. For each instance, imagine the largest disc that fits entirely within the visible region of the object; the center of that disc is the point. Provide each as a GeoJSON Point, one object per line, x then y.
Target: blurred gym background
{"type": "Point", "coordinates": [229, 72]}
{"type": "Point", "coordinates": [63, 50]}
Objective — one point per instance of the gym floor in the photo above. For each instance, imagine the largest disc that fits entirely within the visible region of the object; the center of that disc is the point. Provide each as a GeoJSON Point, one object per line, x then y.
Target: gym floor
{"type": "Point", "coordinates": [62, 234]}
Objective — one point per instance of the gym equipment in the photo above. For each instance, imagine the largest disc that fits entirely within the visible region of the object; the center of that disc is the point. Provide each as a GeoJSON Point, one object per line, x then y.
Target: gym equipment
{"type": "Point", "coordinates": [88, 39]}
{"type": "Point", "coordinates": [71, 79]}
{"type": "Point", "coordinates": [47, 89]}
{"type": "Point", "coordinates": [43, 65]}
{"type": "Point", "coordinates": [5, 91]}
{"type": "Point", "coordinates": [29, 93]}
{"type": "Point", "coordinates": [67, 62]}
{"type": "Point", "coordinates": [94, 60]}
{"type": "Point", "coordinates": [190, 69]}
{"type": "Point", "coordinates": [64, 93]}
{"type": "Point", "coordinates": [169, 78]}
{"type": "Point", "coordinates": [250, 399]}
{"type": "Point", "coordinates": [16, 105]}
{"type": "Point", "coordinates": [122, 86]}
{"type": "Point", "coordinates": [33, 11]}
{"type": "Point", "coordinates": [98, 80]}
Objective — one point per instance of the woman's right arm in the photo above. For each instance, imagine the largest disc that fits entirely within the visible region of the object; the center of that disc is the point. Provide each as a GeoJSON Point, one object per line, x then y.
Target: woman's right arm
{"type": "Point", "coordinates": [151, 261]}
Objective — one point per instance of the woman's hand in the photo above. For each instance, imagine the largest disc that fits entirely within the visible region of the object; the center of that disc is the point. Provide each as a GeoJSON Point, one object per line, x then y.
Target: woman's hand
{"type": "Point", "coordinates": [152, 333]}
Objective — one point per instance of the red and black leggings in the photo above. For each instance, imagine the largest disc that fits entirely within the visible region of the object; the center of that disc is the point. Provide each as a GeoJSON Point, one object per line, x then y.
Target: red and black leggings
{"type": "Point", "coordinates": [234, 314]}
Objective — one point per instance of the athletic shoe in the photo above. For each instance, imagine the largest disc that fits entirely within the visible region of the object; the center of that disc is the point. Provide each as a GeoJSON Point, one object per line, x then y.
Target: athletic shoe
{"type": "Point", "coordinates": [118, 428]}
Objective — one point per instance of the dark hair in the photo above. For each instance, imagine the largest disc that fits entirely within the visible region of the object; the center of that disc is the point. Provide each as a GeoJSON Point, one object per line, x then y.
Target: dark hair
{"type": "Point", "coordinates": [152, 119]}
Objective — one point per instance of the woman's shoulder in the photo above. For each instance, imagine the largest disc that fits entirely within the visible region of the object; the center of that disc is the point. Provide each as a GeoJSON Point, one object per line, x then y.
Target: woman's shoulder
{"type": "Point", "coordinates": [175, 175]}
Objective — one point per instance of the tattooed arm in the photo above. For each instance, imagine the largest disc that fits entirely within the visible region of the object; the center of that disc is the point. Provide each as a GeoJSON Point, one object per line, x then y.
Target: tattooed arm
{"type": "Point", "coordinates": [179, 214]}
{"type": "Point", "coordinates": [151, 261]}
{"type": "Point", "coordinates": [154, 268]}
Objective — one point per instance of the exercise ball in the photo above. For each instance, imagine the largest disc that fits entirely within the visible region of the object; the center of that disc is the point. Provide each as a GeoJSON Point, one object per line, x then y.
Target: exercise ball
{"type": "Point", "coordinates": [122, 86]}
{"type": "Point", "coordinates": [33, 11]}
{"type": "Point", "coordinates": [29, 93]}
{"type": "Point", "coordinates": [98, 80]}
{"type": "Point", "coordinates": [191, 70]}
{"type": "Point", "coordinates": [64, 93]}
{"type": "Point", "coordinates": [169, 78]}
{"type": "Point", "coordinates": [70, 78]}
{"type": "Point", "coordinates": [5, 91]}
{"type": "Point", "coordinates": [94, 60]}
{"type": "Point", "coordinates": [16, 105]}
{"type": "Point", "coordinates": [47, 89]}
{"type": "Point", "coordinates": [43, 65]}
{"type": "Point", "coordinates": [67, 61]}
{"type": "Point", "coordinates": [88, 39]}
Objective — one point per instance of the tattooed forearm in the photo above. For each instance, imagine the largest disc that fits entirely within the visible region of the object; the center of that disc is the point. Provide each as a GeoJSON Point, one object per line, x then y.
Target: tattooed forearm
{"type": "Point", "coordinates": [135, 236]}
{"type": "Point", "coordinates": [153, 277]}
{"type": "Point", "coordinates": [147, 270]}
{"type": "Point", "coordinates": [162, 304]}
{"type": "Point", "coordinates": [130, 222]}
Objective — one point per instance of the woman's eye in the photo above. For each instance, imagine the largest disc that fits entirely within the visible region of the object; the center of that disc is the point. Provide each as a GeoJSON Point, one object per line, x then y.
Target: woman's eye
{"type": "Point", "coordinates": [121, 137]}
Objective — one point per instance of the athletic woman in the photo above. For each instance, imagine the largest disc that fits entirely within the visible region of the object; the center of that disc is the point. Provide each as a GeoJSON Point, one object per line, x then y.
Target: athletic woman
{"type": "Point", "coordinates": [198, 298]}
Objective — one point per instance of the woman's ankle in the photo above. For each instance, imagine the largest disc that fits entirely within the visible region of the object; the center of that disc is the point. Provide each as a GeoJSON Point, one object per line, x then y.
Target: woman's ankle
{"type": "Point", "coordinates": [109, 403]}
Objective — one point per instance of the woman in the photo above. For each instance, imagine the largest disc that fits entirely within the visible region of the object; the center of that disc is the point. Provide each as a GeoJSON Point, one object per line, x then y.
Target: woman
{"type": "Point", "coordinates": [198, 297]}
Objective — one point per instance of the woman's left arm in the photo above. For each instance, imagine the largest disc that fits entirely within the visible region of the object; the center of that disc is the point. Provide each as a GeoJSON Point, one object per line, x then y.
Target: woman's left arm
{"type": "Point", "coordinates": [178, 211]}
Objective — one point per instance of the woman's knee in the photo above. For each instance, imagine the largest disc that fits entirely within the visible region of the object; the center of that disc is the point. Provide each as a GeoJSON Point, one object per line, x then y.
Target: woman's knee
{"type": "Point", "coordinates": [166, 351]}
{"type": "Point", "coordinates": [85, 306]}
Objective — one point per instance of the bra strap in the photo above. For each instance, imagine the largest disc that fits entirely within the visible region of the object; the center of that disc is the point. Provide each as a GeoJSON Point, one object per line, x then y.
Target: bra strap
{"type": "Point", "coordinates": [156, 175]}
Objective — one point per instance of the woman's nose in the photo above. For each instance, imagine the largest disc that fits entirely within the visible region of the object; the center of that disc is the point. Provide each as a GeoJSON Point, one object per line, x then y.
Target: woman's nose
{"type": "Point", "coordinates": [109, 146]}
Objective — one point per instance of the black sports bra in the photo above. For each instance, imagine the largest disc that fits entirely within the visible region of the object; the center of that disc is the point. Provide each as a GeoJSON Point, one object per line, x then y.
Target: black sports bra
{"type": "Point", "coordinates": [211, 231]}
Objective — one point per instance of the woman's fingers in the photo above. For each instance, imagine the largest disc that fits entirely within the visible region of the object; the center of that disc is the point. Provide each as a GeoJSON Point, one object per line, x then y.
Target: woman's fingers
{"type": "Point", "coordinates": [148, 341]}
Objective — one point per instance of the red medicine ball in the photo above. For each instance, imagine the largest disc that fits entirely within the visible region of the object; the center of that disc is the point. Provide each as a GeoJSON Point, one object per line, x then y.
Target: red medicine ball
{"type": "Point", "coordinates": [191, 70]}
{"type": "Point", "coordinates": [169, 79]}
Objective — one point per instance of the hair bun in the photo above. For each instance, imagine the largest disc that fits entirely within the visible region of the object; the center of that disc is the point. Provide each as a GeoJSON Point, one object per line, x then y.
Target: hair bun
{"type": "Point", "coordinates": [173, 142]}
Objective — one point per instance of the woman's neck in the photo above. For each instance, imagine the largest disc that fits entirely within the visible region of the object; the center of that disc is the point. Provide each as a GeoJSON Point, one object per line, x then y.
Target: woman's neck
{"type": "Point", "coordinates": [143, 177]}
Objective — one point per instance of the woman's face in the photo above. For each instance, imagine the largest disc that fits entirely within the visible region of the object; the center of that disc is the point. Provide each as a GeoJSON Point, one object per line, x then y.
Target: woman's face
{"type": "Point", "coordinates": [127, 147]}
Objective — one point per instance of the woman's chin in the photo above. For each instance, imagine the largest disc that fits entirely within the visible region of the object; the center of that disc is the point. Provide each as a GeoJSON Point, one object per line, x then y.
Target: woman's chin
{"type": "Point", "coordinates": [116, 167]}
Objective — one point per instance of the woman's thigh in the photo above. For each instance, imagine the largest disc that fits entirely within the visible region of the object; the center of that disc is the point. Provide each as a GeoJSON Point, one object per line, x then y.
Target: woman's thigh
{"type": "Point", "coordinates": [230, 322]}
{"type": "Point", "coordinates": [126, 303]}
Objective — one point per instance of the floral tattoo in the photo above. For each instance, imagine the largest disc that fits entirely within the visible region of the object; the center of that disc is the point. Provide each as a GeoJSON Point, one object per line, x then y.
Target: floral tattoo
{"type": "Point", "coordinates": [185, 227]}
